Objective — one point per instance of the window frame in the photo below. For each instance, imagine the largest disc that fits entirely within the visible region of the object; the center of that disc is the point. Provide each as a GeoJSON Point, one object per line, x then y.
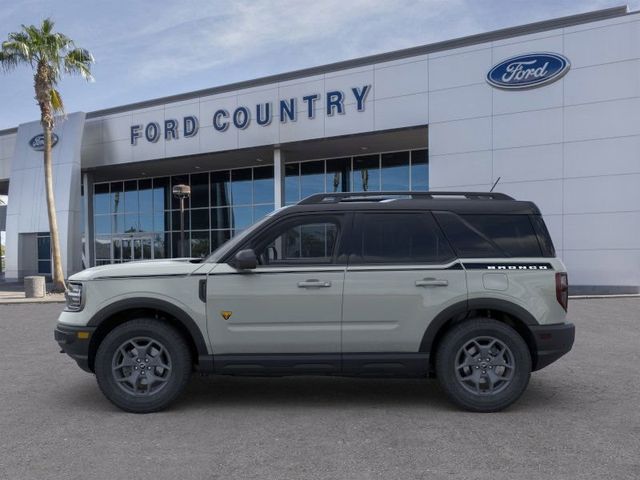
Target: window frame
{"type": "Point", "coordinates": [279, 226]}
{"type": "Point", "coordinates": [355, 258]}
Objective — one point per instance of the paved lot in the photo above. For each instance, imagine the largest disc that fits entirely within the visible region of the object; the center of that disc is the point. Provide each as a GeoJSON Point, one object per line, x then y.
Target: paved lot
{"type": "Point", "coordinates": [579, 419]}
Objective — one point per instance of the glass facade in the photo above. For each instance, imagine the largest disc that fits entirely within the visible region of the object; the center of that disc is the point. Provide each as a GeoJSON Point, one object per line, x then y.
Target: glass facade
{"type": "Point", "coordinates": [140, 219]}
{"type": "Point", "coordinates": [393, 171]}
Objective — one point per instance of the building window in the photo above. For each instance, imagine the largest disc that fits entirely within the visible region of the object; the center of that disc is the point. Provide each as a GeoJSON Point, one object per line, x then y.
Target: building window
{"type": "Point", "coordinates": [44, 253]}
{"type": "Point", "coordinates": [140, 219]}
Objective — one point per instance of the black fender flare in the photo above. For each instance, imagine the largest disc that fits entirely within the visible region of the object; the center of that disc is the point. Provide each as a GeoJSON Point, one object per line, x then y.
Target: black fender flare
{"type": "Point", "coordinates": [464, 307]}
{"type": "Point", "coordinates": [154, 304]}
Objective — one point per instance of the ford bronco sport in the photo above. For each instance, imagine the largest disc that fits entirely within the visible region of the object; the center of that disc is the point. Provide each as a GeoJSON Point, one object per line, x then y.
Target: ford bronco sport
{"type": "Point", "coordinates": [462, 286]}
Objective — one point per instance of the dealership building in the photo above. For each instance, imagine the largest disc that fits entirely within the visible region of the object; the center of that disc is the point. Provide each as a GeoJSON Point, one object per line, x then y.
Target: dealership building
{"type": "Point", "coordinates": [549, 110]}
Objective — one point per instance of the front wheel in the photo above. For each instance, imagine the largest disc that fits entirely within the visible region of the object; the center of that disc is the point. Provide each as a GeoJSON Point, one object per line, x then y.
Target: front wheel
{"type": "Point", "coordinates": [143, 365]}
{"type": "Point", "coordinates": [483, 365]}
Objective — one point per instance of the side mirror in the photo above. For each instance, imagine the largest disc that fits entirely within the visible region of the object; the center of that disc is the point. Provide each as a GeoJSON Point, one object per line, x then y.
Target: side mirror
{"type": "Point", "coordinates": [245, 260]}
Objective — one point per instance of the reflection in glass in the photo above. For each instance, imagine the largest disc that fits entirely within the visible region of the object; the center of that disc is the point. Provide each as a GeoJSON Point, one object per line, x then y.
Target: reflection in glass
{"type": "Point", "coordinates": [117, 197]}
{"type": "Point", "coordinates": [366, 173]}
{"type": "Point", "coordinates": [130, 223]}
{"type": "Point", "coordinates": [131, 203]}
{"type": "Point", "coordinates": [199, 190]}
{"type": "Point", "coordinates": [220, 189]}
{"type": "Point", "coordinates": [395, 171]}
{"type": "Point", "coordinates": [311, 178]}
{"type": "Point", "coordinates": [44, 247]}
{"type": "Point", "coordinates": [241, 190]}
{"type": "Point", "coordinates": [175, 244]}
{"type": "Point", "coordinates": [420, 170]}
{"type": "Point", "coordinates": [145, 222]}
{"type": "Point", "coordinates": [145, 195]}
{"type": "Point", "coordinates": [199, 244]}
{"type": "Point", "coordinates": [218, 237]}
{"type": "Point", "coordinates": [200, 219]}
{"type": "Point", "coordinates": [101, 198]}
{"type": "Point", "coordinates": [175, 220]}
{"type": "Point", "coordinates": [103, 247]}
{"type": "Point", "coordinates": [260, 211]}
{"type": "Point", "coordinates": [263, 188]}
{"type": "Point", "coordinates": [102, 224]}
{"type": "Point", "coordinates": [220, 218]}
{"type": "Point", "coordinates": [242, 217]}
{"type": "Point", "coordinates": [338, 177]}
{"type": "Point", "coordinates": [292, 183]}
{"type": "Point", "coordinates": [161, 194]}
{"type": "Point", "coordinates": [160, 221]}
{"type": "Point", "coordinates": [160, 243]}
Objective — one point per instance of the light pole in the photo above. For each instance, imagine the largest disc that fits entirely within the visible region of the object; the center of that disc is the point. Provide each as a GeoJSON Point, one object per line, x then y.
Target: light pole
{"type": "Point", "coordinates": [181, 192]}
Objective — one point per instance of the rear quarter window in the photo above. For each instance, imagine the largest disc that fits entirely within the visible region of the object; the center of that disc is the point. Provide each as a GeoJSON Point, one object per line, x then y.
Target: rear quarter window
{"type": "Point", "coordinates": [491, 235]}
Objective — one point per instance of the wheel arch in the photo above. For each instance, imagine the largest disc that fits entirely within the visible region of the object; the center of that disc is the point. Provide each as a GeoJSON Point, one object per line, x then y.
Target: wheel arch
{"type": "Point", "coordinates": [502, 310]}
{"type": "Point", "coordinates": [121, 311]}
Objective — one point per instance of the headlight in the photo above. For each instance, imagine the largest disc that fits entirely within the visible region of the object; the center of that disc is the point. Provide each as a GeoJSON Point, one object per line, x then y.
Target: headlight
{"type": "Point", "coordinates": [74, 297]}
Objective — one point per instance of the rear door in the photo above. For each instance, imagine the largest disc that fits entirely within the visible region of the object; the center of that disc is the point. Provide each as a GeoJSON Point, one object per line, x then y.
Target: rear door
{"type": "Point", "coordinates": [401, 274]}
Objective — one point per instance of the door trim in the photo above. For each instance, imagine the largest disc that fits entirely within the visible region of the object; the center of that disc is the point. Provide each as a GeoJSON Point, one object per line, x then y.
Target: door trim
{"type": "Point", "coordinates": [377, 364]}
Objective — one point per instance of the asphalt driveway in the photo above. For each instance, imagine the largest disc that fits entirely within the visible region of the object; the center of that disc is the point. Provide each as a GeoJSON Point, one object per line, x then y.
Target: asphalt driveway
{"type": "Point", "coordinates": [580, 418]}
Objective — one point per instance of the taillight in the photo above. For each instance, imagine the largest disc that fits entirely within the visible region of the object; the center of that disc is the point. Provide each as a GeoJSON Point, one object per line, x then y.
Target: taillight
{"type": "Point", "coordinates": [562, 289]}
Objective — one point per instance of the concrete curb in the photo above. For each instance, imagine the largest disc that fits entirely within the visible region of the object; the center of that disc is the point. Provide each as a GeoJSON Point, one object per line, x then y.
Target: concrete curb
{"type": "Point", "coordinates": [52, 298]}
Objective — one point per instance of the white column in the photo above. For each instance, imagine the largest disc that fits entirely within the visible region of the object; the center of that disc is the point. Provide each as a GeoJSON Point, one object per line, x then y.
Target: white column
{"type": "Point", "coordinates": [278, 177]}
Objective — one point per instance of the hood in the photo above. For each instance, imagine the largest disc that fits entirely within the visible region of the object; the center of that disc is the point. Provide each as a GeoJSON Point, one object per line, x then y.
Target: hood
{"type": "Point", "coordinates": [175, 266]}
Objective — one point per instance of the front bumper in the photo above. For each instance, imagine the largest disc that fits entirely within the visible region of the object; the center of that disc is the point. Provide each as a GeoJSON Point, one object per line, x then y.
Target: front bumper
{"type": "Point", "coordinates": [552, 342]}
{"type": "Point", "coordinates": [75, 341]}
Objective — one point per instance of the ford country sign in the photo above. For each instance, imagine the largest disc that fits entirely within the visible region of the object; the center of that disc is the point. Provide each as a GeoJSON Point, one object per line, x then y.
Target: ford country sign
{"type": "Point", "coordinates": [37, 142]}
{"type": "Point", "coordinates": [528, 71]}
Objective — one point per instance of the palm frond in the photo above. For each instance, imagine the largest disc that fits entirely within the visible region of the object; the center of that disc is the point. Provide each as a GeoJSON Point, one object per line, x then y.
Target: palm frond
{"type": "Point", "coordinates": [78, 61]}
{"type": "Point", "coordinates": [56, 101]}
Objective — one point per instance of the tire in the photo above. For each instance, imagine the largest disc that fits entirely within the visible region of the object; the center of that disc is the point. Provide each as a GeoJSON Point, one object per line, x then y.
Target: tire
{"type": "Point", "coordinates": [483, 365]}
{"type": "Point", "coordinates": [143, 365]}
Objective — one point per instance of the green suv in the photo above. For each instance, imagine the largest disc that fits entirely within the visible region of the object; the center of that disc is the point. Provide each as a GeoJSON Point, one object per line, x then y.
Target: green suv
{"type": "Point", "coordinates": [460, 286]}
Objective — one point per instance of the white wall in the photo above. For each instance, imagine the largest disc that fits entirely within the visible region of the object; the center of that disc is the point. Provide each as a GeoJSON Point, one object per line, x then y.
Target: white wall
{"type": "Point", "coordinates": [572, 146]}
{"type": "Point", "coordinates": [27, 209]}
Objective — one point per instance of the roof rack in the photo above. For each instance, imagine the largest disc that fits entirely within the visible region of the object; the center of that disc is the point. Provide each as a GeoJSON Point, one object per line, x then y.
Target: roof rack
{"type": "Point", "coordinates": [390, 196]}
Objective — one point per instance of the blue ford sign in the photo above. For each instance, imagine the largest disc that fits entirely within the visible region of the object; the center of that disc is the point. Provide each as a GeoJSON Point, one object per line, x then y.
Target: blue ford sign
{"type": "Point", "coordinates": [37, 142]}
{"type": "Point", "coordinates": [528, 71]}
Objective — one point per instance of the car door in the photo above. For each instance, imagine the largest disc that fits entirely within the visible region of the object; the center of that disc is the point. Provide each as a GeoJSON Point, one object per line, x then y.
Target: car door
{"type": "Point", "coordinates": [291, 303]}
{"type": "Point", "coordinates": [401, 274]}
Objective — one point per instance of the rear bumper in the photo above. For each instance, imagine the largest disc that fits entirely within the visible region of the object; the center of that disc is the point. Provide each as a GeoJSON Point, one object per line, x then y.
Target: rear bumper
{"type": "Point", "coordinates": [74, 345]}
{"type": "Point", "coordinates": [552, 342]}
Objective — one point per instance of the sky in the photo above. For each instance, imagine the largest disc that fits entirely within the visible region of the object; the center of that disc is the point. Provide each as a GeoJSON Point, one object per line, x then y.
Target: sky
{"type": "Point", "coordinates": [149, 49]}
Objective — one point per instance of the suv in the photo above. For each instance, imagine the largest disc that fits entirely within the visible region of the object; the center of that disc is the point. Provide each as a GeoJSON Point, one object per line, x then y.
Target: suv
{"type": "Point", "coordinates": [462, 286]}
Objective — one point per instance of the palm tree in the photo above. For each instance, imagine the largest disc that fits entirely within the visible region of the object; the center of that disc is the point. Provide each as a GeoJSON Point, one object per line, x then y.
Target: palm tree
{"type": "Point", "coordinates": [50, 55]}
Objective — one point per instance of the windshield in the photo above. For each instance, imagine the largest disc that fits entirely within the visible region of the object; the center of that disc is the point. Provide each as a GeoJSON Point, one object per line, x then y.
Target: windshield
{"type": "Point", "coordinates": [230, 244]}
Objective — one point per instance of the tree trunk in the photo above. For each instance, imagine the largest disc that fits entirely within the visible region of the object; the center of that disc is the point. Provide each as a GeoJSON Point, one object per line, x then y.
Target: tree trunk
{"type": "Point", "coordinates": [58, 277]}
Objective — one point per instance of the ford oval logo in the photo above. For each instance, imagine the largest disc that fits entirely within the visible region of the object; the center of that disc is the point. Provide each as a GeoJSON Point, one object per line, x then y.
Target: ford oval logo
{"type": "Point", "coordinates": [528, 71]}
{"type": "Point", "coordinates": [37, 142]}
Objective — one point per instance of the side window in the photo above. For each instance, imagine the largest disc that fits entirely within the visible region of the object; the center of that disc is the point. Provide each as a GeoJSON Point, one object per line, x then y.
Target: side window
{"type": "Point", "coordinates": [490, 235]}
{"type": "Point", "coordinates": [399, 237]}
{"type": "Point", "coordinates": [308, 240]}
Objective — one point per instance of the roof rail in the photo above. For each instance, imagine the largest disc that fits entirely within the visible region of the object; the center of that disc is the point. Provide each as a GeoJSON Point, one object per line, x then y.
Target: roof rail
{"type": "Point", "coordinates": [388, 196]}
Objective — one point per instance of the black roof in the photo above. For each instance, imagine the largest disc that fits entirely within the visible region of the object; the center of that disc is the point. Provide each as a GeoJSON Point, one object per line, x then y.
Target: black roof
{"type": "Point", "coordinates": [458, 202]}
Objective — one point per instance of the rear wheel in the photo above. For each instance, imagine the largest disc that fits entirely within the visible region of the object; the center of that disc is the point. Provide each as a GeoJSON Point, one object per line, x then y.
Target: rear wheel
{"type": "Point", "coordinates": [483, 365]}
{"type": "Point", "coordinates": [143, 365]}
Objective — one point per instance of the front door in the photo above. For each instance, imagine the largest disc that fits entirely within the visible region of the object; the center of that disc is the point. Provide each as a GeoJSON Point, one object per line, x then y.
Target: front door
{"type": "Point", "coordinates": [128, 249]}
{"type": "Point", "coordinates": [401, 274]}
{"type": "Point", "coordinates": [291, 303]}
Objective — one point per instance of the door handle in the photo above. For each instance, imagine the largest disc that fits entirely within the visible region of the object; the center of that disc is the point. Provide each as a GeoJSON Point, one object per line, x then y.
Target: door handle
{"type": "Point", "coordinates": [314, 283]}
{"type": "Point", "coordinates": [432, 282]}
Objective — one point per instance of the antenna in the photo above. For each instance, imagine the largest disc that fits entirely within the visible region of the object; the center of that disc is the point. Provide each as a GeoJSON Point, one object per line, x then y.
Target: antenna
{"type": "Point", "coordinates": [494, 185]}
